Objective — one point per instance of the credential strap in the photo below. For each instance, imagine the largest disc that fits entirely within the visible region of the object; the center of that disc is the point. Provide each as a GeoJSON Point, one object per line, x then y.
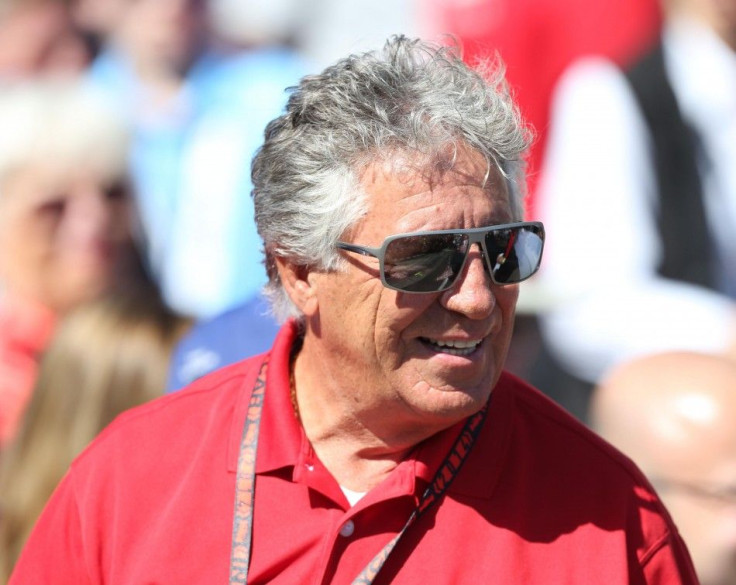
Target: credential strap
{"type": "Point", "coordinates": [245, 487]}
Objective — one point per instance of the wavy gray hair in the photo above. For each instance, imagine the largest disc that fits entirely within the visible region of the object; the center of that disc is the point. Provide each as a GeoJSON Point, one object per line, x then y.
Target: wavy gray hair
{"type": "Point", "coordinates": [411, 97]}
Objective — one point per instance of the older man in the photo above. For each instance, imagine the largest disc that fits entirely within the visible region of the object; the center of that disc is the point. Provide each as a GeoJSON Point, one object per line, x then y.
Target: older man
{"type": "Point", "coordinates": [673, 413]}
{"type": "Point", "coordinates": [379, 440]}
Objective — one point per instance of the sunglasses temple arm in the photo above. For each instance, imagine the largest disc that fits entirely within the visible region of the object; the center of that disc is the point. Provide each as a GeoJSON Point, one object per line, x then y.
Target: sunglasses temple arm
{"type": "Point", "coordinates": [358, 249]}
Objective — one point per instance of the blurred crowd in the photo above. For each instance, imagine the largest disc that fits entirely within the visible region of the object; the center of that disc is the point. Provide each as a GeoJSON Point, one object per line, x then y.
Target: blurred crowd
{"type": "Point", "coordinates": [130, 263]}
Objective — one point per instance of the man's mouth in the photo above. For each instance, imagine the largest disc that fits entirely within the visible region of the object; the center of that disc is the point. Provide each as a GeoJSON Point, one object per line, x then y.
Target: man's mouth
{"type": "Point", "coordinates": [454, 347]}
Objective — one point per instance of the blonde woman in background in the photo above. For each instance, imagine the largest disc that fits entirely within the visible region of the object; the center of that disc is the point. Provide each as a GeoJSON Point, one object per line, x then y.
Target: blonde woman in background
{"type": "Point", "coordinates": [66, 221]}
{"type": "Point", "coordinates": [106, 357]}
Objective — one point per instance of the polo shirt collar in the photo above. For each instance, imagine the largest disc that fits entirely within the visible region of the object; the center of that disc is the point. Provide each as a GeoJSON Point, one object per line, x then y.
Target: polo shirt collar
{"type": "Point", "coordinates": [282, 451]}
{"type": "Point", "coordinates": [283, 444]}
{"type": "Point", "coordinates": [279, 423]}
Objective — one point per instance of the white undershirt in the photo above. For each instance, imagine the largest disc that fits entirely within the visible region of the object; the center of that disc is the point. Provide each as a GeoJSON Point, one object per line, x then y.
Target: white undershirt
{"type": "Point", "coordinates": [352, 497]}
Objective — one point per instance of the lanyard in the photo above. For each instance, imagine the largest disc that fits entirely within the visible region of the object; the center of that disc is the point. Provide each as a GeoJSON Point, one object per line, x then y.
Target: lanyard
{"type": "Point", "coordinates": [246, 478]}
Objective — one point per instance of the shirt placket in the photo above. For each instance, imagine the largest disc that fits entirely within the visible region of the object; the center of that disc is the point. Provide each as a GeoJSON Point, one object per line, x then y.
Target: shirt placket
{"type": "Point", "coordinates": [354, 537]}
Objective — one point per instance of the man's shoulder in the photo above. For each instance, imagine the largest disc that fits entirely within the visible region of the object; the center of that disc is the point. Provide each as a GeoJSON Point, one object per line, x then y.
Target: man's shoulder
{"type": "Point", "coordinates": [568, 478]}
{"type": "Point", "coordinates": [546, 430]}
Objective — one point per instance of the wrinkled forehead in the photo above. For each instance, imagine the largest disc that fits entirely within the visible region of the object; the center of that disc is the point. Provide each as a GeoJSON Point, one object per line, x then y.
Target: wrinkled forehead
{"type": "Point", "coordinates": [453, 163]}
{"type": "Point", "coordinates": [409, 192]}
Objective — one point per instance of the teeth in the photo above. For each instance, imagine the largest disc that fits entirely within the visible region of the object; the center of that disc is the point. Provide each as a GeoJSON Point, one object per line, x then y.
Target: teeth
{"type": "Point", "coordinates": [455, 347]}
{"type": "Point", "coordinates": [458, 344]}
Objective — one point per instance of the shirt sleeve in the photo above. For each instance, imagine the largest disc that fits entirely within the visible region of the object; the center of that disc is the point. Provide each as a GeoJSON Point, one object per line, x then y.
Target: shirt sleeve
{"type": "Point", "coordinates": [602, 250]}
{"type": "Point", "coordinates": [55, 552]}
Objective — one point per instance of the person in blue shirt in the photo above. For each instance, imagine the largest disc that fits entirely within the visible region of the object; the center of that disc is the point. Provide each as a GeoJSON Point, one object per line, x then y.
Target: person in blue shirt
{"type": "Point", "coordinates": [246, 330]}
{"type": "Point", "coordinates": [198, 109]}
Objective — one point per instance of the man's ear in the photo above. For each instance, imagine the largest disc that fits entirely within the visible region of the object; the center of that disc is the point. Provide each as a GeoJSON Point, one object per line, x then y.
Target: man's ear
{"type": "Point", "coordinates": [300, 284]}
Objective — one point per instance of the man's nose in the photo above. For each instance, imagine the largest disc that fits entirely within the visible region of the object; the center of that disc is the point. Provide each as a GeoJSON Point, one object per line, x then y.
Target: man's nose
{"type": "Point", "coordinates": [472, 294]}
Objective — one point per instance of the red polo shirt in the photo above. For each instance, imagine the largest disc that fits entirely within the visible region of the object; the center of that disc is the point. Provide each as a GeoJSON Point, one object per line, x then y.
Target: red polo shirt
{"type": "Point", "coordinates": [539, 500]}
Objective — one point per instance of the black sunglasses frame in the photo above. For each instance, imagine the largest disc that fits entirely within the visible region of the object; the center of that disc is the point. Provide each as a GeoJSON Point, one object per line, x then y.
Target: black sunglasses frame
{"type": "Point", "coordinates": [475, 236]}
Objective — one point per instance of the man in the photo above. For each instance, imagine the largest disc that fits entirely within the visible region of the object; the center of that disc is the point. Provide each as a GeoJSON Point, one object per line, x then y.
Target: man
{"type": "Point", "coordinates": [379, 440]}
{"type": "Point", "coordinates": [673, 414]}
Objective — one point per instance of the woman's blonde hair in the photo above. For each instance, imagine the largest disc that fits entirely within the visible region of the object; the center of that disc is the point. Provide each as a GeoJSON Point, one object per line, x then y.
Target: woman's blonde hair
{"type": "Point", "coordinates": [106, 357]}
{"type": "Point", "coordinates": [64, 122]}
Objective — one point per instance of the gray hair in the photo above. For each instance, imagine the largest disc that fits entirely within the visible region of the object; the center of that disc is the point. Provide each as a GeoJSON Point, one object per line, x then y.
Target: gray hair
{"type": "Point", "coordinates": [411, 97]}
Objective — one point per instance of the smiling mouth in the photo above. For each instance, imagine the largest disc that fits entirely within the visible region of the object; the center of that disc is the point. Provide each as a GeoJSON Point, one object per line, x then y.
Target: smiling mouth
{"type": "Point", "coordinates": [460, 348]}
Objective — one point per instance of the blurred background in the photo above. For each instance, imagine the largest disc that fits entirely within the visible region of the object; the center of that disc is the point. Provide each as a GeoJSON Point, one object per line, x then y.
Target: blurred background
{"type": "Point", "coordinates": [126, 133]}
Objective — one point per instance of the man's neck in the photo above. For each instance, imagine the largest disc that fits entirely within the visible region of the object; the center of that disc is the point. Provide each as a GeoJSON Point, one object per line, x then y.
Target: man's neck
{"type": "Point", "coordinates": [355, 449]}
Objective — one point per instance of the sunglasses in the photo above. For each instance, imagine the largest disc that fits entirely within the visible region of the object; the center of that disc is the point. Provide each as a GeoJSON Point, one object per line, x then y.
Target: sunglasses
{"type": "Point", "coordinates": [432, 261]}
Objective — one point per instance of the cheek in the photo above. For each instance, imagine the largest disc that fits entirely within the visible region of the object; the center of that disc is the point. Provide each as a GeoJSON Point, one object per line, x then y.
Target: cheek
{"type": "Point", "coordinates": [29, 241]}
{"type": "Point", "coordinates": [346, 313]}
{"type": "Point", "coordinates": [399, 319]}
{"type": "Point", "coordinates": [389, 334]}
{"type": "Point", "coordinates": [119, 217]}
{"type": "Point", "coordinates": [506, 299]}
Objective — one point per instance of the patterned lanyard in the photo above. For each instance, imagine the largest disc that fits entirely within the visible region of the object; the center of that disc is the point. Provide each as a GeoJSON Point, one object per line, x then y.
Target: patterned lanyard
{"type": "Point", "coordinates": [246, 477]}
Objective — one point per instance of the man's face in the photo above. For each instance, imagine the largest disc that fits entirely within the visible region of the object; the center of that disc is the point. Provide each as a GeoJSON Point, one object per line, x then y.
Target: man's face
{"type": "Point", "coordinates": [61, 234]}
{"type": "Point", "coordinates": [162, 34]}
{"type": "Point", "coordinates": [393, 349]}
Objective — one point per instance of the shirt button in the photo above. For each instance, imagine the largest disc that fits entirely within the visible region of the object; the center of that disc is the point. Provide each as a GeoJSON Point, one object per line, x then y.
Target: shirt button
{"type": "Point", "coordinates": [347, 529]}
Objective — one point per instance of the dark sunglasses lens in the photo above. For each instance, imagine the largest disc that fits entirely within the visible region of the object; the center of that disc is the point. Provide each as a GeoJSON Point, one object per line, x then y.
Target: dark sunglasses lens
{"type": "Point", "coordinates": [427, 263]}
{"type": "Point", "coordinates": [514, 253]}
